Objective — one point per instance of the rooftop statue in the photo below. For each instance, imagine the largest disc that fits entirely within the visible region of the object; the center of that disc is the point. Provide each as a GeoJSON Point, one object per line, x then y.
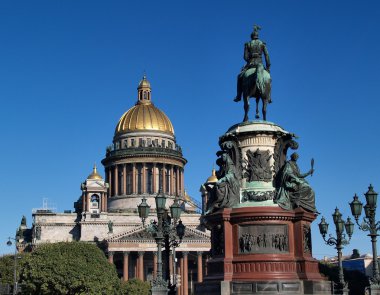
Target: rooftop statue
{"type": "Point", "coordinates": [293, 189]}
{"type": "Point", "coordinates": [254, 80]}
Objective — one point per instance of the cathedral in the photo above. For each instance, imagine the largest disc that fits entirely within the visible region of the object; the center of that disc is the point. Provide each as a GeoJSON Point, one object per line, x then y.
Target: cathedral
{"type": "Point", "coordinates": [143, 160]}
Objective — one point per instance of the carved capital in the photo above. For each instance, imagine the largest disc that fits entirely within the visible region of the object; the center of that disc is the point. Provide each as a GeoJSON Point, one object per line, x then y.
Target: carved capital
{"type": "Point", "coordinates": [141, 253]}
{"type": "Point", "coordinates": [185, 253]}
{"type": "Point", "coordinates": [199, 253]}
{"type": "Point", "coordinates": [111, 253]}
{"type": "Point", "coordinates": [126, 253]}
{"type": "Point", "coordinates": [154, 253]}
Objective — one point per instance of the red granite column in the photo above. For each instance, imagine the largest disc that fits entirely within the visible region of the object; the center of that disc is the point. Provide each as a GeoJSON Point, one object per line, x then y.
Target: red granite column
{"type": "Point", "coordinates": [116, 181]}
{"type": "Point", "coordinates": [200, 267]}
{"type": "Point", "coordinates": [124, 179]}
{"type": "Point", "coordinates": [164, 178]}
{"type": "Point", "coordinates": [143, 177]}
{"type": "Point", "coordinates": [133, 178]}
{"type": "Point", "coordinates": [171, 266]}
{"type": "Point", "coordinates": [182, 276]}
{"type": "Point", "coordinates": [141, 265]}
{"type": "Point", "coordinates": [154, 264]}
{"type": "Point", "coordinates": [172, 180]}
{"type": "Point", "coordinates": [110, 180]}
{"type": "Point", "coordinates": [185, 273]}
{"type": "Point", "coordinates": [182, 182]}
{"type": "Point", "coordinates": [154, 182]}
{"type": "Point", "coordinates": [125, 266]}
{"type": "Point", "coordinates": [179, 284]}
{"type": "Point", "coordinates": [110, 256]}
{"type": "Point", "coordinates": [105, 202]}
{"type": "Point", "coordinates": [177, 182]}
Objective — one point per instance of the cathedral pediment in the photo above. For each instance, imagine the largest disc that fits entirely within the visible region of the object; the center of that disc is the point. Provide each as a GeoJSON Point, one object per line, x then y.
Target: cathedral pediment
{"type": "Point", "coordinates": [140, 234]}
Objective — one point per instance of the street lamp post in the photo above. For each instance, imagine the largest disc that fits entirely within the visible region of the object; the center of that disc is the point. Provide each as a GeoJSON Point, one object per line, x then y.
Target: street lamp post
{"type": "Point", "coordinates": [338, 242]}
{"type": "Point", "coordinates": [369, 224]}
{"type": "Point", "coordinates": [165, 233]}
{"type": "Point", "coordinates": [15, 287]}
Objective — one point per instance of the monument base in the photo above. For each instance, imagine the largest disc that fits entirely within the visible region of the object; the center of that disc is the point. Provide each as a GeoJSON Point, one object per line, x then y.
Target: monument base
{"type": "Point", "coordinates": [263, 287]}
{"type": "Point", "coordinates": [262, 250]}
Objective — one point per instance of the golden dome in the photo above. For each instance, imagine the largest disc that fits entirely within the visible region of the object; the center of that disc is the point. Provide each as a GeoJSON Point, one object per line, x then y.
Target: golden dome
{"type": "Point", "coordinates": [94, 174]}
{"type": "Point", "coordinates": [144, 83]}
{"type": "Point", "coordinates": [212, 178]}
{"type": "Point", "coordinates": [144, 116]}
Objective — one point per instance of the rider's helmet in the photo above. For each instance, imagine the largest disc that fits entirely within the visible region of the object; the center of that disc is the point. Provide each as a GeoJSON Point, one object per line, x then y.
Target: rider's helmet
{"type": "Point", "coordinates": [255, 33]}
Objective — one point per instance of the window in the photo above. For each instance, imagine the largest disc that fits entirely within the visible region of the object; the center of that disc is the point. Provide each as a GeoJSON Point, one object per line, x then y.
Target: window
{"type": "Point", "coordinates": [149, 142]}
{"type": "Point", "coordinates": [163, 143]}
{"type": "Point", "coordinates": [132, 142]}
{"type": "Point", "coordinates": [94, 201]}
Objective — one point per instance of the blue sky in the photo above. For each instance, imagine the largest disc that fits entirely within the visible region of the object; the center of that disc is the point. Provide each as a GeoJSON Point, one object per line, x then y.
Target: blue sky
{"type": "Point", "coordinates": [69, 70]}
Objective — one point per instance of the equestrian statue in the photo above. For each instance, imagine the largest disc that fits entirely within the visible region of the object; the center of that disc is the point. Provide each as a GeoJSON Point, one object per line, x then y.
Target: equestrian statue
{"type": "Point", "coordinates": [254, 80]}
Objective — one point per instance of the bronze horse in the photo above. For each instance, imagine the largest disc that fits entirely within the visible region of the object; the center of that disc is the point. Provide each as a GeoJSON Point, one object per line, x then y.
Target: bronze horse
{"type": "Point", "coordinates": [251, 88]}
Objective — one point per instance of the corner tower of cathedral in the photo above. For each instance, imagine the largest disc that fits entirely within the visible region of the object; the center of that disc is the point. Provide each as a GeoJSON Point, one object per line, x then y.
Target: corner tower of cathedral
{"type": "Point", "coordinates": [143, 157]}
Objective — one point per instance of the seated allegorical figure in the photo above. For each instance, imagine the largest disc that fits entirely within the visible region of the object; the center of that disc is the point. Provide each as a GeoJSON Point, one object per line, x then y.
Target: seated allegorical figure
{"type": "Point", "coordinates": [292, 188]}
{"type": "Point", "coordinates": [225, 192]}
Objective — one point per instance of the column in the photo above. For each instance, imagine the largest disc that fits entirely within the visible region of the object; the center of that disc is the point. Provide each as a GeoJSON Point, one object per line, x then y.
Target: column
{"type": "Point", "coordinates": [172, 180]}
{"type": "Point", "coordinates": [110, 180]}
{"type": "Point", "coordinates": [101, 200]}
{"type": "Point", "coordinates": [134, 178]}
{"type": "Point", "coordinates": [124, 179]}
{"type": "Point", "coordinates": [177, 184]}
{"type": "Point", "coordinates": [88, 201]}
{"type": "Point", "coordinates": [141, 265]}
{"type": "Point", "coordinates": [206, 265]}
{"type": "Point", "coordinates": [185, 273]}
{"type": "Point", "coordinates": [125, 266]}
{"type": "Point", "coordinates": [84, 196]}
{"type": "Point", "coordinates": [180, 283]}
{"type": "Point", "coordinates": [182, 276]}
{"type": "Point", "coordinates": [105, 202]}
{"type": "Point", "coordinates": [110, 256]}
{"type": "Point", "coordinates": [163, 178]}
{"type": "Point", "coordinates": [154, 264]}
{"type": "Point", "coordinates": [136, 269]}
{"type": "Point", "coordinates": [154, 182]}
{"type": "Point", "coordinates": [171, 266]}
{"type": "Point", "coordinates": [200, 268]}
{"type": "Point", "coordinates": [143, 177]}
{"type": "Point", "coordinates": [116, 183]}
{"type": "Point", "coordinates": [182, 182]}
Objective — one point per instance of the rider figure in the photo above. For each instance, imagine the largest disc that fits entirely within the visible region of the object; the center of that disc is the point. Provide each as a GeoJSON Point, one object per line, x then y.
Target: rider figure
{"type": "Point", "coordinates": [253, 51]}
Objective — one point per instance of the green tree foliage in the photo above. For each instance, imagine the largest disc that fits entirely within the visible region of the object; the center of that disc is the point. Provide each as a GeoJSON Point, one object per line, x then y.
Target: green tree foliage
{"type": "Point", "coordinates": [357, 281]}
{"type": "Point", "coordinates": [68, 268]}
{"type": "Point", "coordinates": [135, 287]}
{"type": "Point", "coordinates": [7, 268]}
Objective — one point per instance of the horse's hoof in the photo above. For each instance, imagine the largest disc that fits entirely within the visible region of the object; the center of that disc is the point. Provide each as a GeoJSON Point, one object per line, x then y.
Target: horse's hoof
{"type": "Point", "coordinates": [257, 117]}
{"type": "Point", "coordinates": [245, 119]}
{"type": "Point", "coordinates": [236, 99]}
